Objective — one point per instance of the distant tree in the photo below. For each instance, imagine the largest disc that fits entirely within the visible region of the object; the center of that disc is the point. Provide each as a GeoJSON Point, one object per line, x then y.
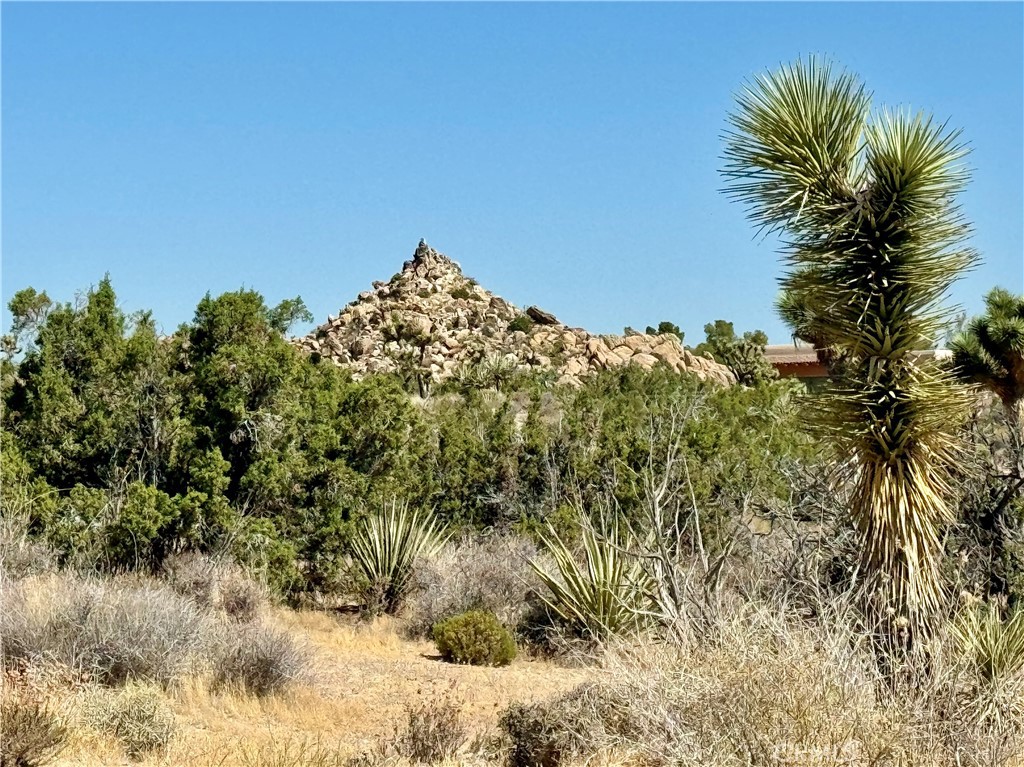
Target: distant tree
{"type": "Point", "coordinates": [744, 356]}
{"type": "Point", "coordinates": [287, 313]}
{"type": "Point", "coordinates": [28, 310]}
{"type": "Point", "coordinates": [873, 242]}
{"type": "Point", "coordinates": [666, 328]}
{"type": "Point", "coordinates": [990, 351]}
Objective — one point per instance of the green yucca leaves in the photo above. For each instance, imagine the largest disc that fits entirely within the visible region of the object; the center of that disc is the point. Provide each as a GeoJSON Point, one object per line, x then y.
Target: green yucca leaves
{"type": "Point", "coordinates": [993, 646]}
{"type": "Point", "coordinates": [994, 649]}
{"type": "Point", "coordinates": [990, 351]}
{"type": "Point", "coordinates": [604, 593]}
{"type": "Point", "coordinates": [386, 547]}
{"type": "Point", "coordinates": [872, 245]}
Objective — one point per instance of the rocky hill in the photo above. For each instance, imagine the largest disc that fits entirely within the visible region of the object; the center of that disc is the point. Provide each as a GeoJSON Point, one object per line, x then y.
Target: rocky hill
{"type": "Point", "coordinates": [430, 319]}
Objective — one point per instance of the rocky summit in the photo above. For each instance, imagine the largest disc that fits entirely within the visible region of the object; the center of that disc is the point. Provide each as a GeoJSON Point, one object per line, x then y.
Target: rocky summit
{"type": "Point", "coordinates": [433, 321]}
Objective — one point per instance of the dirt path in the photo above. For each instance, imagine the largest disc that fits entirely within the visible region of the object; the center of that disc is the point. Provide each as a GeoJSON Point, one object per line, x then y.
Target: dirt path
{"type": "Point", "coordinates": [370, 675]}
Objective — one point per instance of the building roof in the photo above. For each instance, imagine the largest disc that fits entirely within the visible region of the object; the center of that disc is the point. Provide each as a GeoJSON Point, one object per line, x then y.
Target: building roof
{"type": "Point", "coordinates": [805, 354]}
{"type": "Point", "coordinates": [791, 354]}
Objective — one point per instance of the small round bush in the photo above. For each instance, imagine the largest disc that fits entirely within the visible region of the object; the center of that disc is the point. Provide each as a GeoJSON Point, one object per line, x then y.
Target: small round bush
{"type": "Point", "coordinates": [137, 716]}
{"type": "Point", "coordinates": [522, 323]}
{"type": "Point", "coordinates": [261, 661]}
{"type": "Point", "coordinates": [475, 637]}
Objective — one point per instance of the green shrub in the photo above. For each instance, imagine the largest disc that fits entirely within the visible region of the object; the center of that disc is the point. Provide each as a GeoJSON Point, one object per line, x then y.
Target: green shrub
{"type": "Point", "coordinates": [464, 293]}
{"type": "Point", "coordinates": [520, 323]}
{"type": "Point", "coordinates": [138, 717]}
{"type": "Point", "coordinates": [30, 734]}
{"type": "Point", "coordinates": [475, 637]}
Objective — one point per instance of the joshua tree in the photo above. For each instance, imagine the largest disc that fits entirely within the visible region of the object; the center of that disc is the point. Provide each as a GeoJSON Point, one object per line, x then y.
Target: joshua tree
{"type": "Point", "coordinates": [873, 239]}
{"type": "Point", "coordinates": [991, 351]}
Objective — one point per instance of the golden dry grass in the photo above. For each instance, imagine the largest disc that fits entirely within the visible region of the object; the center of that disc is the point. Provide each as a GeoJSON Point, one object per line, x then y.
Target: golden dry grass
{"type": "Point", "coordinates": [365, 674]}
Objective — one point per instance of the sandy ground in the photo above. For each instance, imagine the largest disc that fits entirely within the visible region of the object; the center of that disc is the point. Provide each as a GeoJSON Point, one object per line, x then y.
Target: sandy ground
{"type": "Point", "coordinates": [365, 675]}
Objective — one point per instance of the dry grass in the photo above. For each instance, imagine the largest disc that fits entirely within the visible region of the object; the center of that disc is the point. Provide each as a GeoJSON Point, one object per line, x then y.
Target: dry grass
{"type": "Point", "coordinates": [751, 682]}
{"type": "Point", "coordinates": [367, 679]}
{"type": "Point", "coordinates": [113, 630]}
{"type": "Point", "coordinates": [763, 691]}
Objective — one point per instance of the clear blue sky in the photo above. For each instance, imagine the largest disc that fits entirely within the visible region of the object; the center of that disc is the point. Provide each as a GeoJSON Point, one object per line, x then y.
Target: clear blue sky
{"type": "Point", "coordinates": [565, 154]}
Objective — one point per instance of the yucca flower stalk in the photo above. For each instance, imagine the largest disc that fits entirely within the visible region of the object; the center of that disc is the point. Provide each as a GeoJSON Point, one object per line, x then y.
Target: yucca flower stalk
{"type": "Point", "coordinates": [386, 547]}
{"type": "Point", "coordinates": [872, 242]}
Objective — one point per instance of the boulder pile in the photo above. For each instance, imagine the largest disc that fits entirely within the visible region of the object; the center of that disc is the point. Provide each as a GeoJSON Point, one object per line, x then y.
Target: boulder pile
{"type": "Point", "coordinates": [432, 320]}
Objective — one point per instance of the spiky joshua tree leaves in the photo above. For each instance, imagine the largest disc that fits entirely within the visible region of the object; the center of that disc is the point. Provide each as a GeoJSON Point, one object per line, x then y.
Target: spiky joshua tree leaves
{"type": "Point", "coordinates": [990, 351]}
{"type": "Point", "coordinates": [873, 240]}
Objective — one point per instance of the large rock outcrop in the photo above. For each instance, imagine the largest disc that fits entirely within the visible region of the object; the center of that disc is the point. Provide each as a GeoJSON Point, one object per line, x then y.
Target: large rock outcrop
{"type": "Point", "coordinates": [433, 320]}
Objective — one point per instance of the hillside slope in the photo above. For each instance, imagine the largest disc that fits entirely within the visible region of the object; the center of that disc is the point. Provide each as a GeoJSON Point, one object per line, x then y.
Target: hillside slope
{"type": "Point", "coordinates": [431, 320]}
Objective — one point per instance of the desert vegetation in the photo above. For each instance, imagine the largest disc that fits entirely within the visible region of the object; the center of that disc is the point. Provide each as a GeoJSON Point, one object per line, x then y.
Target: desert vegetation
{"type": "Point", "coordinates": [218, 550]}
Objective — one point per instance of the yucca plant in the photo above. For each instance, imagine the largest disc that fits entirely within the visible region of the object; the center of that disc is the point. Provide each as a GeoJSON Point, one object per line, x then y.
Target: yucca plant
{"type": "Point", "coordinates": [873, 240]}
{"type": "Point", "coordinates": [994, 649]}
{"type": "Point", "coordinates": [990, 351]}
{"type": "Point", "coordinates": [385, 549]}
{"type": "Point", "coordinates": [605, 593]}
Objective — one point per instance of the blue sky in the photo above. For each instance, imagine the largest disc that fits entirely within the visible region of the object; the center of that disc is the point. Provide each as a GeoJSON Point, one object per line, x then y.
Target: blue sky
{"type": "Point", "coordinates": [566, 154]}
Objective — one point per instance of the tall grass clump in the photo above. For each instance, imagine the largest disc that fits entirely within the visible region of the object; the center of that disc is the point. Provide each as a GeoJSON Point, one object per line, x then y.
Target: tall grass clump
{"type": "Point", "coordinates": [757, 682]}
{"type": "Point", "coordinates": [385, 550]}
{"type": "Point", "coordinates": [31, 734]}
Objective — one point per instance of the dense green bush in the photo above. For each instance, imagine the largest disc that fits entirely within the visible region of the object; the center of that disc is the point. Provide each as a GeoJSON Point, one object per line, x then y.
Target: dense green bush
{"type": "Point", "coordinates": [475, 637]}
{"type": "Point", "coordinates": [121, 448]}
{"type": "Point", "coordinates": [522, 324]}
